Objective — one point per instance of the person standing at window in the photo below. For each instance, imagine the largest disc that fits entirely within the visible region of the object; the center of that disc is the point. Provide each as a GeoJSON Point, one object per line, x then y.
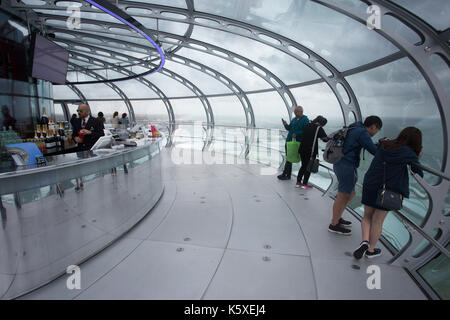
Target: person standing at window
{"type": "Point", "coordinates": [359, 136]}
{"type": "Point", "coordinates": [101, 117]}
{"type": "Point", "coordinates": [115, 120]}
{"type": "Point", "coordinates": [310, 138]}
{"type": "Point", "coordinates": [124, 121]}
{"type": "Point", "coordinates": [390, 167]}
{"type": "Point", "coordinates": [295, 129]}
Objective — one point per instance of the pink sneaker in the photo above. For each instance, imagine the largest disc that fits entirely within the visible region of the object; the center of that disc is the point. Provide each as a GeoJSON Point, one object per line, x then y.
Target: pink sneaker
{"type": "Point", "coordinates": [306, 187]}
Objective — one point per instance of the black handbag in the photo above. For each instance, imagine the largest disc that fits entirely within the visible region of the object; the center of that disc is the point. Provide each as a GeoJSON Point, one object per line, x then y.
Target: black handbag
{"type": "Point", "coordinates": [313, 164]}
{"type": "Point", "coordinates": [388, 199]}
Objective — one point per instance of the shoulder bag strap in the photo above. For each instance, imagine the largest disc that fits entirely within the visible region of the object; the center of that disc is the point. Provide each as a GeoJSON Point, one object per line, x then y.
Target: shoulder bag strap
{"type": "Point", "coordinates": [384, 173]}
{"type": "Point", "coordinates": [314, 142]}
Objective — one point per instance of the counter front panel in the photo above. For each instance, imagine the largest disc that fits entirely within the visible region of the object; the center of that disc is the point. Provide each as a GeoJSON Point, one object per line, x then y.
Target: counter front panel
{"type": "Point", "coordinates": [59, 215]}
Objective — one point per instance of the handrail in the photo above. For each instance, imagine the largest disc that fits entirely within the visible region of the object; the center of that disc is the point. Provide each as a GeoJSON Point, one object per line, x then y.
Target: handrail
{"type": "Point", "coordinates": [215, 125]}
{"type": "Point", "coordinates": [432, 171]}
{"type": "Point", "coordinates": [423, 234]}
{"type": "Point", "coordinates": [221, 140]}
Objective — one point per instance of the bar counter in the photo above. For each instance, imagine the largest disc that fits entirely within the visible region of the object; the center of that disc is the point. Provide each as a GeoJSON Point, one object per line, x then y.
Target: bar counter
{"type": "Point", "coordinates": [60, 214]}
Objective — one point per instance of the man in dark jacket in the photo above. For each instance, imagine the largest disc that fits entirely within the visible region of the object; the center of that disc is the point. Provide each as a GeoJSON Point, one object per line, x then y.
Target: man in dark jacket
{"type": "Point", "coordinates": [86, 129]}
{"type": "Point", "coordinates": [360, 136]}
{"type": "Point", "coordinates": [295, 129]}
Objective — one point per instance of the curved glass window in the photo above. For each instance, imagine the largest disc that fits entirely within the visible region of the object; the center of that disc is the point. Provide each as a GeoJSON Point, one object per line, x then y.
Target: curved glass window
{"type": "Point", "coordinates": [170, 3]}
{"type": "Point", "coordinates": [435, 12]}
{"type": "Point", "coordinates": [59, 112]}
{"type": "Point", "coordinates": [318, 99]}
{"type": "Point", "coordinates": [62, 92]}
{"type": "Point", "coordinates": [150, 111]}
{"type": "Point", "coordinates": [339, 39]}
{"type": "Point", "coordinates": [75, 76]}
{"type": "Point", "coordinates": [441, 70]}
{"type": "Point", "coordinates": [97, 91]}
{"type": "Point", "coordinates": [134, 89]}
{"type": "Point", "coordinates": [287, 68]}
{"type": "Point", "coordinates": [206, 82]}
{"type": "Point", "coordinates": [269, 108]}
{"type": "Point", "coordinates": [188, 110]}
{"type": "Point", "coordinates": [227, 111]}
{"type": "Point", "coordinates": [170, 87]}
{"type": "Point", "coordinates": [164, 25]}
{"type": "Point", "coordinates": [437, 274]}
{"type": "Point", "coordinates": [244, 78]}
{"type": "Point", "coordinates": [11, 86]}
{"type": "Point", "coordinates": [399, 94]}
{"type": "Point", "coordinates": [107, 107]}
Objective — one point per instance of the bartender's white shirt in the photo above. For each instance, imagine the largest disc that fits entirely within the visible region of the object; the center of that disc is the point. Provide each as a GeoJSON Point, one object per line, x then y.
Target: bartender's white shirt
{"type": "Point", "coordinates": [86, 119]}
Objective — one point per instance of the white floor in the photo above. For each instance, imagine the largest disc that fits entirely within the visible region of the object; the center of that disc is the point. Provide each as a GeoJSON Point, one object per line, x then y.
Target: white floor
{"type": "Point", "coordinates": [228, 232]}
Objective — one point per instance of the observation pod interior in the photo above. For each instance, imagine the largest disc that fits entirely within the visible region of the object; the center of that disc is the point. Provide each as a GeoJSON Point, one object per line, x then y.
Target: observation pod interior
{"type": "Point", "coordinates": [199, 213]}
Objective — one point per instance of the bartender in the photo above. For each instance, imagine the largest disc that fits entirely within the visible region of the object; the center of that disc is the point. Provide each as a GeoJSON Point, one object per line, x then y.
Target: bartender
{"type": "Point", "coordinates": [86, 129]}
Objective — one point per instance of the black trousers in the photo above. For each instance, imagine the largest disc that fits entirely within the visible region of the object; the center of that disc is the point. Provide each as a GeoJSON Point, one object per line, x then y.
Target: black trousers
{"type": "Point", "coordinates": [288, 165]}
{"type": "Point", "coordinates": [303, 173]}
{"type": "Point", "coordinates": [305, 155]}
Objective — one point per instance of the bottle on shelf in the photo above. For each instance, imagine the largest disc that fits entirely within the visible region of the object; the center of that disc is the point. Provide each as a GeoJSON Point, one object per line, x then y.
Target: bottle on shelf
{"type": "Point", "coordinates": [50, 142]}
{"type": "Point", "coordinates": [44, 131]}
{"type": "Point", "coordinates": [44, 117]}
{"type": "Point", "coordinates": [38, 131]}
{"type": "Point", "coordinates": [62, 136]}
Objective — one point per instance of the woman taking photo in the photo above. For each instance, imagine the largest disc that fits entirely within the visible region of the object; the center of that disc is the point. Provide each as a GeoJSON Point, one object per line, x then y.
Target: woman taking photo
{"type": "Point", "coordinates": [388, 171]}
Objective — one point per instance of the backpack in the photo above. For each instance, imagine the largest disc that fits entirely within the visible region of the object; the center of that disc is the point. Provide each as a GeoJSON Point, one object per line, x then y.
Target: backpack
{"type": "Point", "coordinates": [333, 150]}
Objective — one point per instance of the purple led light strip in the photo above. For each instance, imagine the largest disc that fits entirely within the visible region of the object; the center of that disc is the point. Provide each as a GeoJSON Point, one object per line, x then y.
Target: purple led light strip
{"type": "Point", "coordinates": [163, 59]}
